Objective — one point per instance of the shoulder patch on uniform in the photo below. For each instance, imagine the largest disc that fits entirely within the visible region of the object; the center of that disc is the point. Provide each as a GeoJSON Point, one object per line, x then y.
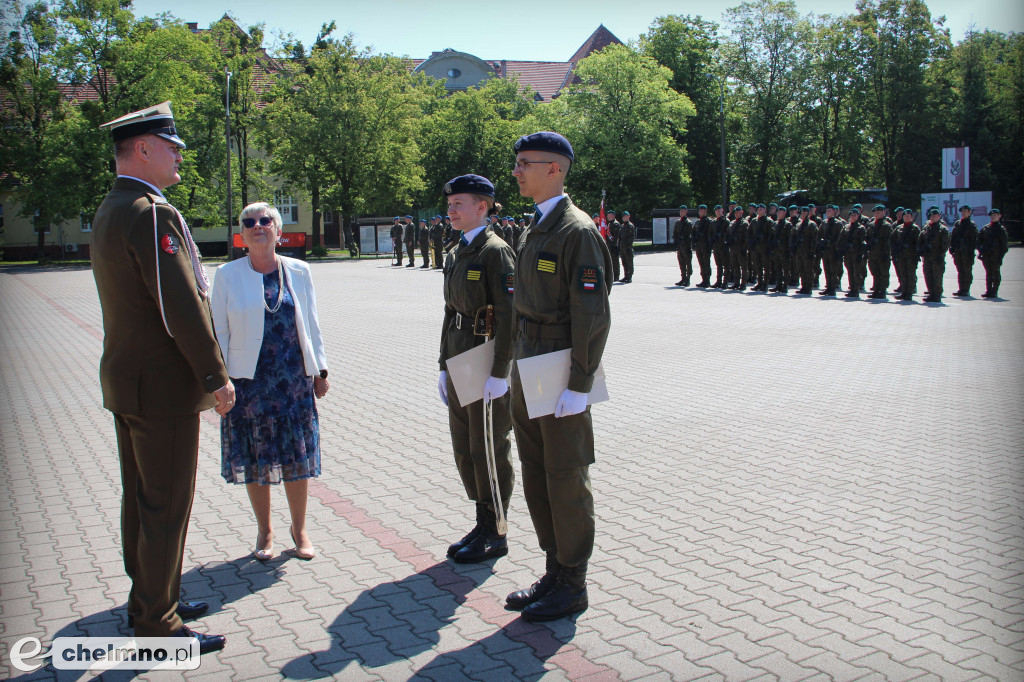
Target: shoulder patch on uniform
{"type": "Point", "coordinates": [510, 282]}
{"type": "Point", "coordinates": [547, 262]}
{"type": "Point", "coordinates": [590, 279]}
{"type": "Point", "coordinates": [169, 244]}
{"type": "Point", "coordinates": [473, 273]}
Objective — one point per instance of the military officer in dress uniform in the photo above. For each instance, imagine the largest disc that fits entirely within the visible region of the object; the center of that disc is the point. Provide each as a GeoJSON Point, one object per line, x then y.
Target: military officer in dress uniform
{"type": "Point", "coordinates": [481, 274]}
{"type": "Point", "coordinates": [962, 242]}
{"type": "Point", "coordinates": [396, 240]}
{"type": "Point", "coordinates": [682, 235]}
{"type": "Point", "coordinates": [993, 243]}
{"type": "Point", "coordinates": [562, 287]}
{"type": "Point", "coordinates": [879, 234]}
{"type": "Point", "coordinates": [702, 245]}
{"type": "Point", "coordinates": [627, 233]}
{"type": "Point", "coordinates": [161, 365]}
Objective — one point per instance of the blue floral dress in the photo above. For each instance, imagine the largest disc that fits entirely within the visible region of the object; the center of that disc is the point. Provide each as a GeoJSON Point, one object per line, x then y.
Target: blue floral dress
{"type": "Point", "coordinates": [273, 432]}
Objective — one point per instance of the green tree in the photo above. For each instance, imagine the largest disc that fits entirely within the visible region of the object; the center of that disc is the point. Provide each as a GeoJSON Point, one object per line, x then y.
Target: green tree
{"type": "Point", "coordinates": [622, 119]}
{"type": "Point", "coordinates": [688, 46]}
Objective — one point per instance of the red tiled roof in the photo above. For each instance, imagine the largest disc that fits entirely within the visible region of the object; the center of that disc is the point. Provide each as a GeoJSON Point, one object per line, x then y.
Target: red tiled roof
{"type": "Point", "coordinates": [598, 40]}
{"type": "Point", "coordinates": [544, 77]}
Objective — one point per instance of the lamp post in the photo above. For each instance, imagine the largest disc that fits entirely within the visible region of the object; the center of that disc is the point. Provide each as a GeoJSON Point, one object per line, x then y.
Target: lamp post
{"type": "Point", "coordinates": [227, 139]}
{"type": "Point", "coordinates": [721, 104]}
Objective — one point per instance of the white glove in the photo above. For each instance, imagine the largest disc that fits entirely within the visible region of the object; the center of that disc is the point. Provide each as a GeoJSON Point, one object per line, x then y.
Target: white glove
{"type": "Point", "coordinates": [494, 388]}
{"type": "Point", "coordinates": [570, 402]}
{"type": "Point", "coordinates": [442, 386]}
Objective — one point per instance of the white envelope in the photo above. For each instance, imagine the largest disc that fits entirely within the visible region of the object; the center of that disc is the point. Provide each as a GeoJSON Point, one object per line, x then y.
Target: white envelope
{"type": "Point", "coordinates": [469, 372]}
{"type": "Point", "coordinates": [544, 377]}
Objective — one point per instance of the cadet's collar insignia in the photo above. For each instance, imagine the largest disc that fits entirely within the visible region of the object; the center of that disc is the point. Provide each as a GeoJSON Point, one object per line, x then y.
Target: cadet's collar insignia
{"type": "Point", "coordinates": [473, 273]}
{"type": "Point", "coordinates": [510, 280]}
{"type": "Point", "coordinates": [169, 243]}
{"type": "Point", "coordinates": [590, 279]}
{"type": "Point", "coordinates": [547, 262]}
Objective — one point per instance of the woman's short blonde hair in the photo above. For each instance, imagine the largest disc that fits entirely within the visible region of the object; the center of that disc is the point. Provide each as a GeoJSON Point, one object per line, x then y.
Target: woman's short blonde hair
{"type": "Point", "coordinates": [261, 207]}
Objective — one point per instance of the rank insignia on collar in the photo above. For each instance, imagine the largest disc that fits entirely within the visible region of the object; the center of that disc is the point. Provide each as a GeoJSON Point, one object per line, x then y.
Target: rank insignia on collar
{"type": "Point", "coordinates": [590, 279]}
{"type": "Point", "coordinates": [547, 262]}
{"type": "Point", "coordinates": [510, 280]}
{"type": "Point", "coordinates": [473, 273]}
{"type": "Point", "coordinates": [169, 243]}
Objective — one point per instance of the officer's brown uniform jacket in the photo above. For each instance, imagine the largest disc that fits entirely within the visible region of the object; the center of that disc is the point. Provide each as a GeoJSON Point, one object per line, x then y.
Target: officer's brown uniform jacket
{"type": "Point", "coordinates": [143, 370]}
{"type": "Point", "coordinates": [480, 273]}
{"type": "Point", "coordinates": [562, 286]}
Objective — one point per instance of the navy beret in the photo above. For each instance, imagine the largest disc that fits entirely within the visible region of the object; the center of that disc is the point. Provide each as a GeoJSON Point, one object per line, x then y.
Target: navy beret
{"type": "Point", "coordinates": [544, 142]}
{"type": "Point", "coordinates": [965, 207]}
{"type": "Point", "coordinates": [398, 217]}
{"type": "Point", "coordinates": [408, 216]}
{"type": "Point", "coordinates": [423, 220]}
{"type": "Point", "coordinates": [437, 217]}
{"type": "Point", "coordinates": [995, 211]}
{"type": "Point", "coordinates": [469, 184]}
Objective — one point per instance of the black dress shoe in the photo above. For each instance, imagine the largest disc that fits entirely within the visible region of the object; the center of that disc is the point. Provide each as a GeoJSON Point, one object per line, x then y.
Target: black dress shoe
{"type": "Point", "coordinates": [481, 520]}
{"type": "Point", "coordinates": [520, 599]}
{"type": "Point", "coordinates": [186, 611]}
{"type": "Point", "coordinates": [680, 283]}
{"type": "Point", "coordinates": [486, 545]}
{"type": "Point", "coordinates": [207, 643]}
{"type": "Point", "coordinates": [564, 599]}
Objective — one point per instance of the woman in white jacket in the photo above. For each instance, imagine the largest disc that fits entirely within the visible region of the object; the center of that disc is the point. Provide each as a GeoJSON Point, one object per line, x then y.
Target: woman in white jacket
{"type": "Point", "coordinates": [264, 313]}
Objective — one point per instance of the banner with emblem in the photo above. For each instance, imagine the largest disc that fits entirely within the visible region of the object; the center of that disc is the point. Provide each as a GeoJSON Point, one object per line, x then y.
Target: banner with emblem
{"type": "Point", "coordinates": [949, 204]}
{"type": "Point", "coordinates": [956, 168]}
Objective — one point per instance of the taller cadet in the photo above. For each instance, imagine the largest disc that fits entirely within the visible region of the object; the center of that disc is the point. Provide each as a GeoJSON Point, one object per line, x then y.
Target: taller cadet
{"type": "Point", "coordinates": [782, 254]}
{"type": "Point", "coordinates": [854, 243]}
{"type": "Point", "coordinates": [480, 275]}
{"type": "Point", "coordinates": [614, 227]}
{"type": "Point", "coordinates": [879, 234]}
{"type": "Point", "coordinates": [831, 258]}
{"type": "Point", "coordinates": [761, 234]}
{"type": "Point", "coordinates": [161, 365]}
{"type": "Point", "coordinates": [437, 241]}
{"type": "Point", "coordinates": [805, 241]}
{"type": "Point", "coordinates": [396, 240]}
{"type": "Point", "coordinates": [932, 246]}
{"type": "Point", "coordinates": [773, 268]}
{"type": "Point", "coordinates": [561, 296]}
{"type": "Point", "coordinates": [895, 244]}
{"type": "Point", "coordinates": [738, 250]}
{"type": "Point", "coordinates": [993, 243]}
{"type": "Point", "coordinates": [909, 233]}
{"type": "Point", "coordinates": [627, 233]}
{"type": "Point", "coordinates": [702, 245]}
{"type": "Point", "coordinates": [423, 238]}
{"type": "Point", "coordinates": [963, 240]}
{"type": "Point", "coordinates": [720, 246]}
{"type": "Point", "coordinates": [409, 236]}
{"type": "Point", "coordinates": [682, 236]}
{"type": "Point", "coordinates": [862, 260]}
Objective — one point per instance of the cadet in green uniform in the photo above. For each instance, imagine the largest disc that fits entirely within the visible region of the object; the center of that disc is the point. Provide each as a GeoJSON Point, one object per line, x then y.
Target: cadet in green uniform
{"type": "Point", "coordinates": [614, 227]}
{"type": "Point", "coordinates": [879, 234]}
{"type": "Point", "coordinates": [627, 233]}
{"type": "Point", "coordinates": [805, 241]}
{"type": "Point", "coordinates": [720, 246]}
{"type": "Point", "coordinates": [423, 237]}
{"type": "Point", "coordinates": [410, 241]}
{"type": "Point", "coordinates": [993, 243]}
{"type": "Point", "coordinates": [437, 241]}
{"type": "Point", "coordinates": [759, 238]}
{"type": "Point", "coordinates": [908, 237]}
{"type": "Point", "coordinates": [963, 240]}
{"type": "Point", "coordinates": [783, 255]}
{"type": "Point", "coordinates": [161, 365]}
{"type": "Point", "coordinates": [932, 246]}
{"type": "Point", "coordinates": [682, 236]}
{"type": "Point", "coordinates": [702, 245]}
{"type": "Point", "coordinates": [895, 245]}
{"type": "Point", "coordinates": [738, 250]}
{"type": "Point", "coordinates": [831, 259]}
{"type": "Point", "coordinates": [852, 246]}
{"type": "Point", "coordinates": [480, 275]}
{"type": "Point", "coordinates": [396, 240]}
{"type": "Point", "coordinates": [561, 296]}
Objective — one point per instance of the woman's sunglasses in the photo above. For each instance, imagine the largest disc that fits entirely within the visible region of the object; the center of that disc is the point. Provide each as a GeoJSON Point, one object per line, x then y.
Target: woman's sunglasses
{"type": "Point", "coordinates": [265, 221]}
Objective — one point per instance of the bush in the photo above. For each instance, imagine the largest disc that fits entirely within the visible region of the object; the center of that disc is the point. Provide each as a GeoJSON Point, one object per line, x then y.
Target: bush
{"type": "Point", "coordinates": [318, 251]}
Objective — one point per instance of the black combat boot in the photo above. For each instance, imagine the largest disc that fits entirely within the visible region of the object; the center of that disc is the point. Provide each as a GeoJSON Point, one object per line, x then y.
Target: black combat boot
{"type": "Point", "coordinates": [568, 596]}
{"type": "Point", "coordinates": [488, 544]}
{"type": "Point", "coordinates": [520, 599]}
{"type": "Point", "coordinates": [481, 514]}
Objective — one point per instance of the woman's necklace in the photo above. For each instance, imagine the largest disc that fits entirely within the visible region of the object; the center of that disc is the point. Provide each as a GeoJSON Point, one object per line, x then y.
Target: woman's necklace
{"type": "Point", "coordinates": [280, 288]}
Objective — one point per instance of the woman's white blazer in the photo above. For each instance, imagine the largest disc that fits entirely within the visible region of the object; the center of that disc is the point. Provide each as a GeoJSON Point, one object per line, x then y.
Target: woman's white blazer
{"type": "Point", "coordinates": [237, 302]}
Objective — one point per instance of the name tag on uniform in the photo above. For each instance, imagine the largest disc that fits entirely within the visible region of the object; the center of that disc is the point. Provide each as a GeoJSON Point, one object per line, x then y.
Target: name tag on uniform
{"type": "Point", "coordinates": [510, 280]}
{"type": "Point", "coordinates": [547, 262]}
{"type": "Point", "coordinates": [590, 279]}
{"type": "Point", "coordinates": [473, 273]}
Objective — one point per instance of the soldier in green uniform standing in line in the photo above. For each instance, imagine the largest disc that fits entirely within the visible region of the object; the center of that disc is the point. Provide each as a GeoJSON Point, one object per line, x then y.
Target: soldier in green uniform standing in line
{"type": "Point", "coordinates": [879, 234]}
{"type": "Point", "coordinates": [932, 246]}
{"type": "Point", "coordinates": [759, 235]}
{"type": "Point", "coordinates": [805, 241]}
{"type": "Point", "coordinates": [962, 242]}
{"type": "Point", "coordinates": [396, 240]}
{"type": "Point", "coordinates": [627, 233]}
{"type": "Point", "coordinates": [720, 246]}
{"type": "Point", "coordinates": [831, 258]}
{"type": "Point", "coordinates": [738, 250]}
{"type": "Point", "coordinates": [782, 254]}
{"type": "Point", "coordinates": [561, 297]}
{"type": "Point", "coordinates": [614, 227]}
{"type": "Point", "coordinates": [410, 241]}
{"type": "Point", "coordinates": [853, 242]}
{"type": "Point", "coordinates": [423, 237]}
{"type": "Point", "coordinates": [909, 234]}
{"type": "Point", "coordinates": [480, 275]}
{"type": "Point", "coordinates": [993, 243]}
{"type": "Point", "coordinates": [437, 241]}
{"type": "Point", "coordinates": [702, 245]}
{"type": "Point", "coordinates": [682, 236]}
{"type": "Point", "coordinates": [895, 243]}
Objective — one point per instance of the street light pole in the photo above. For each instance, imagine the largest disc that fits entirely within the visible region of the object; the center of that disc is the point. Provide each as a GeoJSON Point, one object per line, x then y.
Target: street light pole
{"type": "Point", "coordinates": [227, 139]}
{"type": "Point", "coordinates": [721, 102]}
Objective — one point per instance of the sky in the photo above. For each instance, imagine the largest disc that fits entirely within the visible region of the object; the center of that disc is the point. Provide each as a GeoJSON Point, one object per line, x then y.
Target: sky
{"type": "Point", "coordinates": [532, 30]}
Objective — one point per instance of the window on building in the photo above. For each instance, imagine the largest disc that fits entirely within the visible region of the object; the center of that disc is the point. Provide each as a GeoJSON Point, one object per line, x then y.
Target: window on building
{"type": "Point", "coordinates": [35, 225]}
{"type": "Point", "coordinates": [286, 204]}
{"type": "Point", "coordinates": [327, 217]}
{"type": "Point", "coordinates": [86, 223]}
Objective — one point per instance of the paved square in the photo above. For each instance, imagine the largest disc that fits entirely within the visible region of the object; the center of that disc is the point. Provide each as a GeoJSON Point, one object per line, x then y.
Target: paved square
{"type": "Point", "coordinates": [787, 488]}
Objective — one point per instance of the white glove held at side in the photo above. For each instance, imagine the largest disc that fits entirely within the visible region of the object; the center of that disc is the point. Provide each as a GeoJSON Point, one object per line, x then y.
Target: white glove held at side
{"type": "Point", "coordinates": [570, 402]}
{"type": "Point", "coordinates": [494, 388]}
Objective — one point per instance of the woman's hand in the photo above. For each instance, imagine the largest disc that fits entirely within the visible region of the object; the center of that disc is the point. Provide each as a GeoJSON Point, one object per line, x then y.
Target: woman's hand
{"type": "Point", "coordinates": [320, 387]}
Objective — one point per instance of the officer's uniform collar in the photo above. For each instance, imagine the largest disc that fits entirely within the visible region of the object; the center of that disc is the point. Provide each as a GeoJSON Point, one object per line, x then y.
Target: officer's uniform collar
{"type": "Point", "coordinates": [150, 189]}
